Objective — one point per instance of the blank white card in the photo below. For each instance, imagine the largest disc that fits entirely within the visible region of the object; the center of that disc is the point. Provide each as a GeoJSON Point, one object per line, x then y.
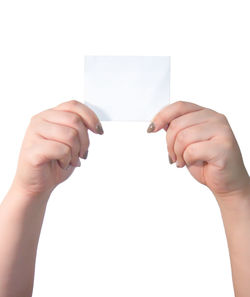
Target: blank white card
{"type": "Point", "coordinates": [126, 88]}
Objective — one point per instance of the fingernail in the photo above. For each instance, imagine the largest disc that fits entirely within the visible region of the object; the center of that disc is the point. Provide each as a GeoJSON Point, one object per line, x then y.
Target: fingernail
{"type": "Point", "coordinates": [99, 129]}
{"type": "Point", "coordinates": [178, 164]}
{"type": "Point", "coordinates": [78, 164]}
{"type": "Point", "coordinates": [151, 127]}
{"type": "Point", "coordinates": [170, 160]}
{"type": "Point", "coordinates": [85, 155]}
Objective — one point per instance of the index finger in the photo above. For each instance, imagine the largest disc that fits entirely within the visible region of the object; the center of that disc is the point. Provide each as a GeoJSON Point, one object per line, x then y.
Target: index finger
{"type": "Point", "coordinates": [87, 115]}
{"type": "Point", "coordinates": [171, 112]}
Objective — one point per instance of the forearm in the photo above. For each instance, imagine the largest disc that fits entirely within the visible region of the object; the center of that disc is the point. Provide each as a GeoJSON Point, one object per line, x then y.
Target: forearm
{"type": "Point", "coordinates": [235, 213]}
{"type": "Point", "coordinates": [21, 219]}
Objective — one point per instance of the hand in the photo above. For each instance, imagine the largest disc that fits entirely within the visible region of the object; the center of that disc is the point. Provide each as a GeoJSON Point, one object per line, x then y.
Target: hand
{"type": "Point", "coordinates": [54, 141]}
{"type": "Point", "coordinates": [202, 139]}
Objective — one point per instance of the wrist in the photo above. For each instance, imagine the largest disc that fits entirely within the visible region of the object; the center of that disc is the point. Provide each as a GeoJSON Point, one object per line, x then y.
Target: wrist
{"type": "Point", "coordinates": [238, 200]}
{"type": "Point", "coordinates": [25, 195]}
{"type": "Point", "coordinates": [22, 206]}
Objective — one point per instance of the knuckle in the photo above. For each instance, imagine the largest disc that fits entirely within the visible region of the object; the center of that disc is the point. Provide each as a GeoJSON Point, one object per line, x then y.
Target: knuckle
{"type": "Point", "coordinates": [65, 150]}
{"type": "Point", "coordinates": [38, 116]}
{"type": "Point", "coordinates": [75, 119]}
{"type": "Point", "coordinates": [221, 117]}
{"type": "Point", "coordinates": [222, 160]}
{"type": "Point", "coordinates": [71, 134]}
{"type": "Point", "coordinates": [180, 104]}
{"type": "Point", "coordinates": [68, 104]}
{"type": "Point", "coordinates": [210, 112]}
{"type": "Point", "coordinates": [34, 156]}
{"type": "Point", "coordinates": [35, 122]}
{"type": "Point", "coordinates": [34, 159]}
{"type": "Point", "coordinates": [34, 118]}
{"type": "Point", "coordinates": [190, 152]}
{"type": "Point", "coordinates": [174, 124]}
{"type": "Point", "coordinates": [228, 144]}
{"type": "Point", "coordinates": [226, 131]}
{"type": "Point", "coordinates": [73, 102]}
{"type": "Point", "coordinates": [182, 136]}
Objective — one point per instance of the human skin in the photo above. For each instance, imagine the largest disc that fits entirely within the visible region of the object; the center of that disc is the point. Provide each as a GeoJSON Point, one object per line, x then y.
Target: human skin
{"type": "Point", "coordinates": [54, 141]}
{"type": "Point", "coordinates": [203, 141]}
{"type": "Point", "coordinates": [197, 137]}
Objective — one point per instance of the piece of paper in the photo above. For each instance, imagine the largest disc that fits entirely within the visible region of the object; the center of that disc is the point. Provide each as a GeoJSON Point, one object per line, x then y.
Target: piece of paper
{"type": "Point", "coordinates": [126, 88]}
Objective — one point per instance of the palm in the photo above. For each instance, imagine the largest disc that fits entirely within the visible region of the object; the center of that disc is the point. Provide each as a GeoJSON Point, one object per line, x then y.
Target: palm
{"type": "Point", "coordinates": [52, 174]}
{"type": "Point", "coordinates": [207, 174]}
{"type": "Point", "coordinates": [44, 176]}
{"type": "Point", "coordinates": [221, 174]}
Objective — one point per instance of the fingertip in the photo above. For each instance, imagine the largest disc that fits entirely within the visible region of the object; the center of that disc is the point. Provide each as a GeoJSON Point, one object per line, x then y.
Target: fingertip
{"type": "Point", "coordinates": [170, 160]}
{"type": "Point", "coordinates": [151, 128]}
{"type": "Point", "coordinates": [99, 128]}
{"type": "Point", "coordinates": [158, 122]}
{"type": "Point", "coordinates": [155, 127]}
{"type": "Point", "coordinates": [180, 164]}
{"type": "Point", "coordinates": [88, 116]}
{"type": "Point", "coordinates": [173, 157]}
{"type": "Point", "coordinates": [85, 155]}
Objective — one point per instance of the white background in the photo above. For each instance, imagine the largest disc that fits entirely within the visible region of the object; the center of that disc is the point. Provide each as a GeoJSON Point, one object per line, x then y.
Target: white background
{"type": "Point", "coordinates": [126, 223]}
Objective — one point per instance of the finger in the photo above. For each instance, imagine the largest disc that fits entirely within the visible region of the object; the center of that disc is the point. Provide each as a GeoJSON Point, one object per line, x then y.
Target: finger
{"type": "Point", "coordinates": [47, 150]}
{"type": "Point", "coordinates": [72, 120]}
{"type": "Point", "coordinates": [63, 134]}
{"type": "Point", "coordinates": [185, 121]}
{"type": "Point", "coordinates": [205, 151]}
{"type": "Point", "coordinates": [191, 135]}
{"type": "Point", "coordinates": [170, 112]}
{"type": "Point", "coordinates": [87, 115]}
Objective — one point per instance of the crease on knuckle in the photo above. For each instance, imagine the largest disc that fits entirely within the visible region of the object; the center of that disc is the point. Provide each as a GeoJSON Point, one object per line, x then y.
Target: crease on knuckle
{"type": "Point", "coordinates": [173, 125]}
{"type": "Point", "coordinates": [75, 120]}
{"type": "Point", "coordinates": [182, 137]}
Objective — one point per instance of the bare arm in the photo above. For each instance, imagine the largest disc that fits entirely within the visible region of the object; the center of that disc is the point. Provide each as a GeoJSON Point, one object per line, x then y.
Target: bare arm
{"type": "Point", "coordinates": [235, 211]}
{"type": "Point", "coordinates": [21, 219]}
{"type": "Point", "coordinates": [202, 140]}
{"type": "Point", "coordinates": [52, 146]}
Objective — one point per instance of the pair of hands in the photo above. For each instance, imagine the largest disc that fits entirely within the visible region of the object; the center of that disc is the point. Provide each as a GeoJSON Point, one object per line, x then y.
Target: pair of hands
{"type": "Point", "coordinates": [197, 137]}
